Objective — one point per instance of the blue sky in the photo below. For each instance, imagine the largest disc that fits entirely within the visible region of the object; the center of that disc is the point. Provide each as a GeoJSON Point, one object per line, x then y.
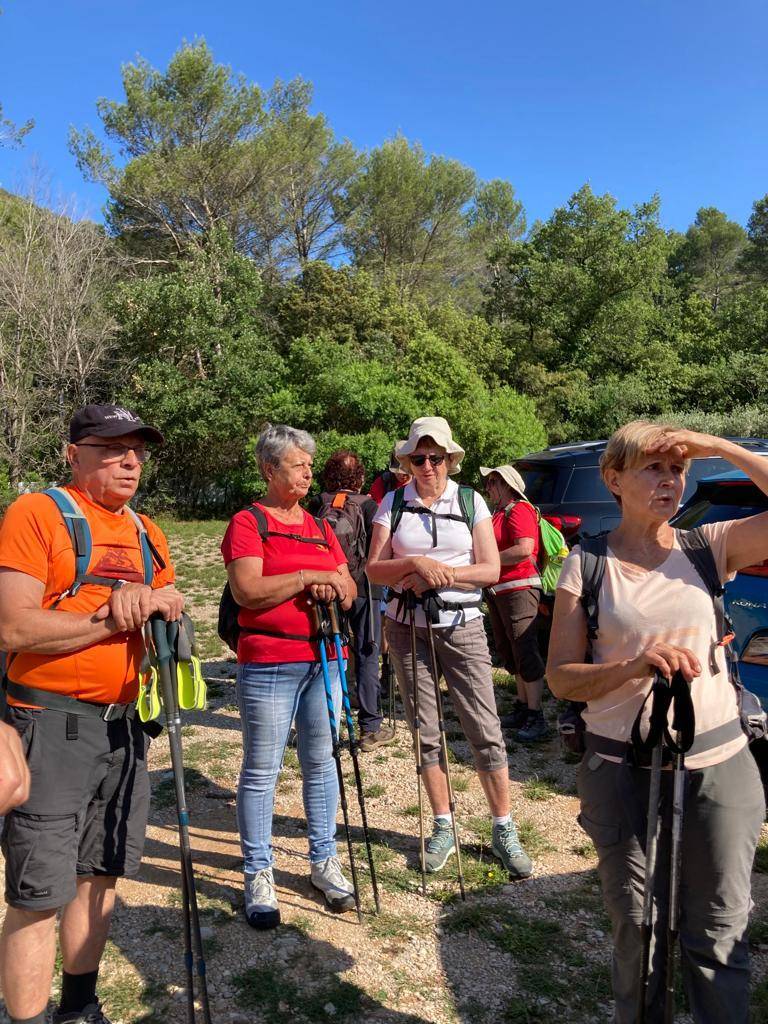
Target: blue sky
{"type": "Point", "coordinates": [633, 97]}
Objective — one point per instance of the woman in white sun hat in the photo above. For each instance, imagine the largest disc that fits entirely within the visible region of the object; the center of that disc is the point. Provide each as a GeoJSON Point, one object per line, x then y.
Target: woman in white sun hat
{"type": "Point", "coordinates": [513, 601]}
{"type": "Point", "coordinates": [436, 537]}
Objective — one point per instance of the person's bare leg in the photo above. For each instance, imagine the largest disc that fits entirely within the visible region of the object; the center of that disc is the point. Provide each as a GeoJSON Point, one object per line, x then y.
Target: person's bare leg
{"type": "Point", "coordinates": [436, 786]}
{"type": "Point", "coordinates": [496, 788]}
{"type": "Point", "coordinates": [27, 955]}
{"type": "Point", "coordinates": [85, 924]}
{"type": "Point", "coordinates": [522, 690]}
{"type": "Point", "coordinates": [534, 691]}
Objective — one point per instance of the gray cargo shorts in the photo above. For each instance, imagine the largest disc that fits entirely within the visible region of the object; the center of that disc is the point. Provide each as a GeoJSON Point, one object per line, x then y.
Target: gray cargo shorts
{"type": "Point", "coordinates": [465, 663]}
{"type": "Point", "coordinates": [87, 809]}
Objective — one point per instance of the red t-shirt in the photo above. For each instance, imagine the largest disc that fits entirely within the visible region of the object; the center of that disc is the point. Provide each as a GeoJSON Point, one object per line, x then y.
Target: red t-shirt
{"type": "Point", "coordinates": [280, 555]}
{"type": "Point", "coordinates": [378, 489]}
{"type": "Point", "coordinates": [511, 526]}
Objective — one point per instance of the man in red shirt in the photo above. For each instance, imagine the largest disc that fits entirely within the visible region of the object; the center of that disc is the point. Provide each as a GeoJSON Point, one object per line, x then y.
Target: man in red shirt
{"type": "Point", "coordinates": [513, 602]}
{"type": "Point", "coordinates": [72, 680]}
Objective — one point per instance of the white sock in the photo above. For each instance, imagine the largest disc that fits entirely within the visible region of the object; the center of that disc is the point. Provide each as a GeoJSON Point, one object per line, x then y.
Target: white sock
{"type": "Point", "coordinates": [443, 819]}
{"type": "Point", "coordinates": [503, 820]}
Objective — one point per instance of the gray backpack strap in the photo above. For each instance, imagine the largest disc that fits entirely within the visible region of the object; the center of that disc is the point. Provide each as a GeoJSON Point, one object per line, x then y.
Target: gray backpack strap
{"type": "Point", "coordinates": [594, 553]}
{"type": "Point", "coordinates": [698, 552]}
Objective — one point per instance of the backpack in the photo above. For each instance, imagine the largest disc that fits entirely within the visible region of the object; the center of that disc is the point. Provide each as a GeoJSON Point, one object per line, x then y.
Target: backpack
{"type": "Point", "coordinates": [345, 517]}
{"type": "Point", "coordinates": [552, 549]}
{"type": "Point", "coordinates": [82, 544]}
{"type": "Point", "coordinates": [754, 721]}
{"type": "Point", "coordinates": [466, 504]}
{"type": "Point", "coordinates": [228, 625]}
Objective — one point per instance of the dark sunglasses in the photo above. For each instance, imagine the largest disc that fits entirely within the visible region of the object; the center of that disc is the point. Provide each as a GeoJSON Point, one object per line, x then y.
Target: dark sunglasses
{"type": "Point", "coordinates": [419, 460]}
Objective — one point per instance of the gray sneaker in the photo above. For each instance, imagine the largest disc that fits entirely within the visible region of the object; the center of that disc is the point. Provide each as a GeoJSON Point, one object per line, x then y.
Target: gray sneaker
{"type": "Point", "coordinates": [439, 848]}
{"type": "Point", "coordinates": [506, 846]}
{"type": "Point", "coordinates": [328, 877]}
{"type": "Point", "coordinates": [261, 907]}
{"type": "Point", "coordinates": [91, 1014]}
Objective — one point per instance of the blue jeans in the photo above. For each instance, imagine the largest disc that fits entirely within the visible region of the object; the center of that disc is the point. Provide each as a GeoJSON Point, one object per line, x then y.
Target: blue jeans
{"type": "Point", "coordinates": [270, 697]}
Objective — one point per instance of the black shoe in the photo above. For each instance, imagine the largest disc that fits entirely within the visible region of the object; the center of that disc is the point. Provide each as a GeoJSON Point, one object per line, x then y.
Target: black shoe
{"type": "Point", "coordinates": [535, 729]}
{"type": "Point", "coordinates": [517, 718]}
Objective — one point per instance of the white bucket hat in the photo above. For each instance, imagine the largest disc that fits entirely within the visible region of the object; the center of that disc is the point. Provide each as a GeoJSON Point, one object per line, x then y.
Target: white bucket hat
{"type": "Point", "coordinates": [437, 428]}
{"type": "Point", "coordinates": [508, 474]}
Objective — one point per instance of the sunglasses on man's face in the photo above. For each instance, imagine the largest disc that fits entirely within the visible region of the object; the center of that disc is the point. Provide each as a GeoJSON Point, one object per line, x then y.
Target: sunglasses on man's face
{"type": "Point", "coordinates": [435, 460]}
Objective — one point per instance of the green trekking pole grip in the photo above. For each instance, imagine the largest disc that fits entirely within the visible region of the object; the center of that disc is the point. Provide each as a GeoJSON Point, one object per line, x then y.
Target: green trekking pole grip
{"type": "Point", "coordinates": [160, 638]}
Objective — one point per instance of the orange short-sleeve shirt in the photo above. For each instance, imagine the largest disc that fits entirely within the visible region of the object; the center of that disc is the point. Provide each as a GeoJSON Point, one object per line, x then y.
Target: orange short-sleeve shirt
{"type": "Point", "coordinates": [35, 541]}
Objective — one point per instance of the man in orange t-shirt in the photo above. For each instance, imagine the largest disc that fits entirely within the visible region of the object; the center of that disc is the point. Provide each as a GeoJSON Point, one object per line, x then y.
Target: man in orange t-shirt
{"type": "Point", "coordinates": [72, 678]}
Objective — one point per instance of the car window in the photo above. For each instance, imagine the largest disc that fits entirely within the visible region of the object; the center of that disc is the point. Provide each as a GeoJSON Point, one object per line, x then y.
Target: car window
{"type": "Point", "coordinates": [539, 481]}
{"type": "Point", "coordinates": [705, 512]}
{"type": "Point", "coordinates": [586, 485]}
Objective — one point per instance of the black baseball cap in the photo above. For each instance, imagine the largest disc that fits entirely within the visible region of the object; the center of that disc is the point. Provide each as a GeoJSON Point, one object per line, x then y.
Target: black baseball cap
{"type": "Point", "coordinates": [109, 421]}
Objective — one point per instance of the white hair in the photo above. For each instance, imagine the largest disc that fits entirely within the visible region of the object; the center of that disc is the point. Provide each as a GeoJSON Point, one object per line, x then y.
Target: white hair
{"type": "Point", "coordinates": [276, 440]}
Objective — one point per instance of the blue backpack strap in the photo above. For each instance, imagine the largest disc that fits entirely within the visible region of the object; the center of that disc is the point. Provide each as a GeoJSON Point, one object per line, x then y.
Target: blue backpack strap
{"type": "Point", "coordinates": [77, 527]}
{"type": "Point", "coordinates": [148, 550]}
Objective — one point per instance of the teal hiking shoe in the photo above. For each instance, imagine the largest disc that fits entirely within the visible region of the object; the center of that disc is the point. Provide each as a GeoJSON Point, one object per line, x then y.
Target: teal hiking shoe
{"type": "Point", "coordinates": [506, 846]}
{"type": "Point", "coordinates": [439, 847]}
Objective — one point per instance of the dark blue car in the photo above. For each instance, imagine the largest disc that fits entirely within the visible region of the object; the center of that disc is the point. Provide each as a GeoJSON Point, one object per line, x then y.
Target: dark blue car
{"type": "Point", "coordinates": [732, 495]}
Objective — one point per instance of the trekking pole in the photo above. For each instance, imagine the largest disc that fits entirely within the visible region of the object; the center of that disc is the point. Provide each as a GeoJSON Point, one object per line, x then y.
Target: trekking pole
{"type": "Point", "coordinates": [680, 746]}
{"type": "Point", "coordinates": [333, 613]}
{"type": "Point", "coordinates": [651, 849]}
{"type": "Point", "coordinates": [444, 748]}
{"type": "Point", "coordinates": [164, 635]}
{"type": "Point", "coordinates": [322, 636]}
{"type": "Point", "coordinates": [410, 600]}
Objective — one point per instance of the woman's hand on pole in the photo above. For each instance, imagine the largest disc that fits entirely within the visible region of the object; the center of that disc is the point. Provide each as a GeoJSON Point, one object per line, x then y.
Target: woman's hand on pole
{"type": "Point", "coordinates": [326, 586]}
{"type": "Point", "coordinates": [667, 659]}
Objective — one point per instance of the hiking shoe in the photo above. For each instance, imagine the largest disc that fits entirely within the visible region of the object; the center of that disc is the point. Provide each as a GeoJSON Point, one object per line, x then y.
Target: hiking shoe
{"type": "Point", "coordinates": [372, 740]}
{"type": "Point", "coordinates": [517, 717]}
{"type": "Point", "coordinates": [261, 909]}
{"type": "Point", "coordinates": [535, 729]}
{"type": "Point", "coordinates": [90, 1014]}
{"type": "Point", "coordinates": [439, 848]}
{"type": "Point", "coordinates": [506, 846]}
{"type": "Point", "coordinates": [328, 877]}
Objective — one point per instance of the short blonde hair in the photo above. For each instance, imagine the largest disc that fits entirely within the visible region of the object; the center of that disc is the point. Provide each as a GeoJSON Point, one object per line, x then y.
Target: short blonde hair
{"type": "Point", "coordinates": [627, 445]}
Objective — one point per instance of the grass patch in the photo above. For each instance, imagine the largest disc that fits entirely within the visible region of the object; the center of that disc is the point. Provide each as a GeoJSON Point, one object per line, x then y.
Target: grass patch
{"type": "Point", "coordinates": [585, 849]}
{"type": "Point", "coordinates": [759, 1003]}
{"type": "Point", "coordinates": [374, 790]}
{"type": "Point", "coordinates": [128, 997]}
{"type": "Point", "coordinates": [548, 964]}
{"type": "Point", "coordinates": [277, 998]}
{"type": "Point", "coordinates": [188, 730]}
{"type": "Point", "coordinates": [534, 841]}
{"type": "Point", "coordinates": [460, 784]}
{"type": "Point", "coordinates": [388, 925]}
{"type": "Point", "coordinates": [539, 789]}
{"type": "Point", "coordinates": [411, 811]}
{"type": "Point", "coordinates": [164, 793]}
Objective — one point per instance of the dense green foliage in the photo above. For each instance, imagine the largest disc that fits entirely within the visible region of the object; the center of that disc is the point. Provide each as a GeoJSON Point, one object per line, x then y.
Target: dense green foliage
{"type": "Point", "coordinates": [258, 268]}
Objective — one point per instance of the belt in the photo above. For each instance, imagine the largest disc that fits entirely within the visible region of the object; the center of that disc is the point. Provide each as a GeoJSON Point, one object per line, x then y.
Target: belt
{"type": "Point", "coordinates": [70, 705]}
{"type": "Point", "coordinates": [530, 581]}
{"type": "Point", "coordinates": [703, 742]}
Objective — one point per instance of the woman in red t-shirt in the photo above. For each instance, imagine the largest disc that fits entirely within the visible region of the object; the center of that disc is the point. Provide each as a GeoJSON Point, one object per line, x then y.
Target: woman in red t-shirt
{"type": "Point", "coordinates": [513, 603]}
{"type": "Point", "coordinates": [274, 578]}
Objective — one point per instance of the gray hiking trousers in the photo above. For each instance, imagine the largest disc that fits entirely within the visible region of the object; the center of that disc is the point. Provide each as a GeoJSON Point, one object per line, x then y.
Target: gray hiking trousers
{"type": "Point", "coordinates": [724, 811]}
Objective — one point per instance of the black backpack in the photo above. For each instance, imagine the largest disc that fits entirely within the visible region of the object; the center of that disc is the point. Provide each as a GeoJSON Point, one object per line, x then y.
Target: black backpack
{"type": "Point", "coordinates": [696, 548]}
{"type": "Point", "coordinates": [345, 517]}
{"type": "Point", "coordinates": [229, 628]}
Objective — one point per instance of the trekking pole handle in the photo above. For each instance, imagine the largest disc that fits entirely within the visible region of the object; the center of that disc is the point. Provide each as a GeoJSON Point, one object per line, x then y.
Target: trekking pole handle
{"type": "Point", "coordinates": [160, 637]}
{"type": "Point", "coordinates": [334, 616]}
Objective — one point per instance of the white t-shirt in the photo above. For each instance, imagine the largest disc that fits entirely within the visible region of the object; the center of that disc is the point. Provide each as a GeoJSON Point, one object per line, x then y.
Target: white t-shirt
{"type": "Point", "coordinates": [670, 604]}
{"type": "Point", "coordinates": [454, 543]}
